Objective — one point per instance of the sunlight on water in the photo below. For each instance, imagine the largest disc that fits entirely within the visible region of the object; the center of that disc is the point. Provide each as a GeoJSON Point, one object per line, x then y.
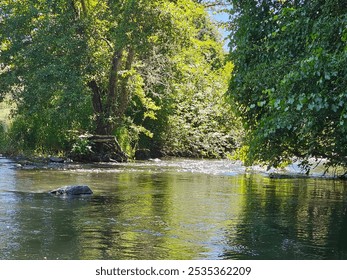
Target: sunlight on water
{"type": "Point", "coordinates": [175, 209]}
{"type": "Point", "coordinates": [213, 167]}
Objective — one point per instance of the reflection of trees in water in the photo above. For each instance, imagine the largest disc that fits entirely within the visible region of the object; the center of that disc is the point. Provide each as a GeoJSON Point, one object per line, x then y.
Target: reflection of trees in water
{"type": "Point", "coordinates": [290, 219]}
{"type": "Point", "coordinates": [148, 218]}
{"type": "Point", "coordinates": [123, 225]}
{"type": "Point", "coordinates": [164, 216]}
{"type": "Point", "coordinates": [131, 221]}
{"type": "Point", "coordinates": [43, 227]}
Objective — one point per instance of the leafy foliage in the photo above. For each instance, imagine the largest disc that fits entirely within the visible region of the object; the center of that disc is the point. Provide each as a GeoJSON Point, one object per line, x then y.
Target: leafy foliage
{"type": "Point", "coordinates": [289, 84]}
{"type": "Point", "coordinates": [44, 65]}
{"type": "Point", "coordinates": [201, 124]}
{"type": "Point", "coordinates": [110, 67]}
{"type": "Point", "coordinates": [194, 118]}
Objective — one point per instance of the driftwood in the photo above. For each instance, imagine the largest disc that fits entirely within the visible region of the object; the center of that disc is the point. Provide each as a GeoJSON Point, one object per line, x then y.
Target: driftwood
{"type": "Point", "coordinates": [103, 148]}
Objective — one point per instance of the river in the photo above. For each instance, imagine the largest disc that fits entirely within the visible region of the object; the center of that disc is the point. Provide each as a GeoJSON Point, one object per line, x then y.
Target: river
{"type": "Point", "coordinates": [173, 209]}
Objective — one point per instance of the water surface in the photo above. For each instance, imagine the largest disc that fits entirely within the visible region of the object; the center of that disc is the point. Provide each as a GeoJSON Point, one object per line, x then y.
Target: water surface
{"type": "Point", "coordinates": [178, 209]}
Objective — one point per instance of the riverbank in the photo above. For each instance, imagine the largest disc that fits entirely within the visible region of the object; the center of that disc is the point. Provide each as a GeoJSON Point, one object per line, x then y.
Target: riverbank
{"type": "Point", "coordinates": [39, 162]}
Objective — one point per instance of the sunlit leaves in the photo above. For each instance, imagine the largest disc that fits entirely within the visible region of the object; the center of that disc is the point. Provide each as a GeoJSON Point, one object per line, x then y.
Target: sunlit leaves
{"type": "Point", "coordinates": [110, 66]}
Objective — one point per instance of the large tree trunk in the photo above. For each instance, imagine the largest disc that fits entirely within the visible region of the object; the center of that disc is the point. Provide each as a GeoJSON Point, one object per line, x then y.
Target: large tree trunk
{"type": "Point", "coordinates": [109, 108]}
{"type": "Point", "coordinates": [107, 148]}
{"type": "Point", "coordinates": [98, 107]}
{"type": "Point", "coordinates": [123, 95]}
{"type": "Point", "coordinates": [112, 90]}
{"type": "Point", "coordinates": [105, 103]}
{"type": "Point", "coordinates": [117, 98]}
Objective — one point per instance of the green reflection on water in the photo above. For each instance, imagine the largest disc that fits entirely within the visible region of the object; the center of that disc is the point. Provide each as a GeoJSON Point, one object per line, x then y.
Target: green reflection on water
{"type": "Point", "coordinates": [291, 219]}
{"type": "Point", "coordinates": [154, 214]}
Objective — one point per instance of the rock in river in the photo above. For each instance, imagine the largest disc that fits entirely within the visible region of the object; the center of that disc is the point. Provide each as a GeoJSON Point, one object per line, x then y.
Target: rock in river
{"type": "Point", "coordinates": [72, 190]}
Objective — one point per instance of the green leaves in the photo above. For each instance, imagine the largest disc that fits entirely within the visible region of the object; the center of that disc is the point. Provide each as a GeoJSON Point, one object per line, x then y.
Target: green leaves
{"type": "Point", "coordinates": [290, 78]}
{"type": "Point", "coordinates": [74, 66]}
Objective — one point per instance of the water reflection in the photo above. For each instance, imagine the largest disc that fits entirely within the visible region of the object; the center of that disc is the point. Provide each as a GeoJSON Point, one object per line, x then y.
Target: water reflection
{"type": "Point", "coordinates": [170, 212]}
{"type": "Point", "coordinates": [290, 219]}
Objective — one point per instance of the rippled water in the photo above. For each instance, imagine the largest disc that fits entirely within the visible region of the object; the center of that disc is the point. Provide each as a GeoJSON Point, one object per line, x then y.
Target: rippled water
{"type": "Point", "coordinates": [178, 209]}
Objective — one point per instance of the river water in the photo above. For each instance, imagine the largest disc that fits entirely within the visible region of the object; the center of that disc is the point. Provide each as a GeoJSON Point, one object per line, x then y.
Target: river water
{"type": "Point", "coordinates": [175, 209]}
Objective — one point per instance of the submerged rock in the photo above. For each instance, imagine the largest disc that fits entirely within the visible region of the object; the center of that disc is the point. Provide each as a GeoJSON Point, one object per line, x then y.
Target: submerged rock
{"type": "Point", "coordinates": [72, 190]}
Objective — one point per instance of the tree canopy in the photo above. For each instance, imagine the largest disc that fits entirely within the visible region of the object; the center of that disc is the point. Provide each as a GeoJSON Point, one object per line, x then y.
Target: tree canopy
{"type": "Point", "coordinates": [289, 83]}
{"type": "Point", "coordinates": [154, 74]}
{"type": "Point", "coordinates": [109, 67]}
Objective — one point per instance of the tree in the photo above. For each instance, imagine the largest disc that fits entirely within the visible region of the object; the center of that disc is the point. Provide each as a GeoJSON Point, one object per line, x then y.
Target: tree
{"type": "Point", "coordinates": [44, 62]}
{"type": "Point", "coordinates": [192, 116]}
{"type": "Point", "coordinates": [290, 79]}
{"type": "Point", "coordinates": [106, 67]}
{"type": "Point", "coordinates": [201, 122]}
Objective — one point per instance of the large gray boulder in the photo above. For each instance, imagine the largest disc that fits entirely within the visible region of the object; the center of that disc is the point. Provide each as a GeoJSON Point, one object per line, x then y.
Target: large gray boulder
{"type": "Point", "coordinates": [72, 190]}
